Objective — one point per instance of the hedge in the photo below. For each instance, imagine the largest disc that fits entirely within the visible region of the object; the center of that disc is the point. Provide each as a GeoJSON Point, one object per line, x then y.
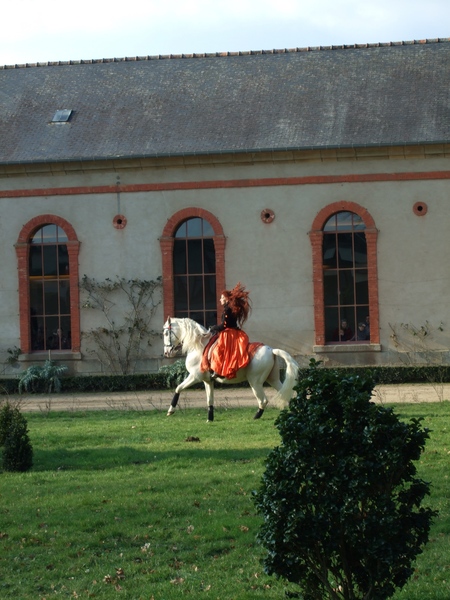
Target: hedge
{"type": "Point", "coordinates": [157, 381]}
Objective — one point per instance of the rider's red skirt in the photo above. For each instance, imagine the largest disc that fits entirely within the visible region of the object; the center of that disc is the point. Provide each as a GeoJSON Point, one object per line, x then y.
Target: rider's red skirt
{"type": "Point", "coordinates": [230, 353]}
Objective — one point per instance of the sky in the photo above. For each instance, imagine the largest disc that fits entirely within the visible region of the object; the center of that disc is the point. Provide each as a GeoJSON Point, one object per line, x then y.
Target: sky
{"type": "Point", "coordinates": [52, 30]}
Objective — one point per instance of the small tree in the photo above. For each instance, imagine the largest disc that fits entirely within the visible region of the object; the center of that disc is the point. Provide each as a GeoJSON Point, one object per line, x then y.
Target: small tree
{"type": "Point", "coordinates": [17, 449]}
{"type": "Point", "coordinates": [340, 497]}
{"type": "Point", "coordinates": [127, 307]}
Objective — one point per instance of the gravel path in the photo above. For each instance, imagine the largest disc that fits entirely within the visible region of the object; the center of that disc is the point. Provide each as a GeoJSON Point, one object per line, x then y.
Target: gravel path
{"type": "Point", "coordinates": [195, 398]}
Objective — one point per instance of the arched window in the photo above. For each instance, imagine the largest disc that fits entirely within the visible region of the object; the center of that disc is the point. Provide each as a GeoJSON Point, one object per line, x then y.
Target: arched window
{"type": "Point", "coordinates": [192, 247]}
{"type": "Point", "coordinates": [345, 282]}
{"type": "Point", "coordinates": [194, 272]}
{"type": "Point", "coordinates": [345, 279]}
{"type": "Point", "coordinates": [47, 252]}
{"type": "Point", "coordinates": [49, 289]}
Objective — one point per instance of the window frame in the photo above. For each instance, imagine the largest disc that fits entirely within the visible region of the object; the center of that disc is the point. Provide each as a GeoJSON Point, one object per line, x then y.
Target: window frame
{"type": "Point", "coordinates": [316, 238]}
{"type": "Point", "coordinates": [167, 242]}
{"type": "Point", "coordinates": [22, 247]}
{"type": "Point", "coordinates": [194, 260]}
{"type": "Point", "coordinates": [343, 234]}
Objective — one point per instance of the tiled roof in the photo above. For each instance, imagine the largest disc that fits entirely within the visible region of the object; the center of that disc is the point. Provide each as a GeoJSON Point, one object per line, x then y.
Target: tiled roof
{"type": "Point", "coordinates": [340, 96]}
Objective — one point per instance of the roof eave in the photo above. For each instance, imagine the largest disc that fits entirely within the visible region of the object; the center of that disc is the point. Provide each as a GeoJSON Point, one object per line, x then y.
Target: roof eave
{"type": "Point", "coordinates": [227, 152]}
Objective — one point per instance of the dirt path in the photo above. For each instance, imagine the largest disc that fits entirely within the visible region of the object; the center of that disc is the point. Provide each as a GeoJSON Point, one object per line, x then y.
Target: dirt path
{"type": "Point", "coordinates": [224, 398]}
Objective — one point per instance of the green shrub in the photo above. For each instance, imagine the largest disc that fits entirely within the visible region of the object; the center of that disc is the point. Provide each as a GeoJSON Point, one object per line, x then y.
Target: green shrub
{"type": "Point", "coordinates": [340, 498]}
{"type": "Point", "coordinates": [168, 376]}
{"type": "Point", "coordinates": [5, 422]}
{"type": "Point", "coordinates": [174, 373]}
{"type": "Point", "coordinates": [44, 378]}
{"type": "Point", "coordinates": [114, 383]}
{"type": "Point", "coordinates": [17, 449]}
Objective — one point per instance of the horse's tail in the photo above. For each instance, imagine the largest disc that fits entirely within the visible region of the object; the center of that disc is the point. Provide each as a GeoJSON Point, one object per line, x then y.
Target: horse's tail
{"type": "Point", "coordinates": [285, 393]}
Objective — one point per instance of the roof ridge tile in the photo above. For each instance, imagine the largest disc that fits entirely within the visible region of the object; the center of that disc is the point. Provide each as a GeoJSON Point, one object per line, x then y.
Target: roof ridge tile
{"type": "Point", "coordinates": [198, 55]}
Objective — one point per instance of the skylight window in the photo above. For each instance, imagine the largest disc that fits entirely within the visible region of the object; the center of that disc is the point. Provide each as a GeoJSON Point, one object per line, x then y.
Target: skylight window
{"type": "Point", "coordinates": [62, 116]}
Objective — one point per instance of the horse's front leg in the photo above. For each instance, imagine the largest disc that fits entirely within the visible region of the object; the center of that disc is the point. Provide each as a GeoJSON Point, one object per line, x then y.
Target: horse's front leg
{"type": "Point", "coordinates": [209, 388]}
{"type": "Point", "coordinates": [190, 380]}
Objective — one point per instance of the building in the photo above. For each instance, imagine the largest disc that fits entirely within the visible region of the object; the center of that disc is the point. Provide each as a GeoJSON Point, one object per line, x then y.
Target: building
{"type": "Point", "coordinates": [318, 177]}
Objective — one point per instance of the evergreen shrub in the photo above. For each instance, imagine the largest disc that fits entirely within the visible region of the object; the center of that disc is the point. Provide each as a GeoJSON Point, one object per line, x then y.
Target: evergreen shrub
{"type": "Point", "coordinates": [164, 379]}
{"type": "Point", "coordinates": [14, 440]}
{"type": "Point", "coordinates": [174, 373]}
{"type": "Point", "coordinates": [340, 498]}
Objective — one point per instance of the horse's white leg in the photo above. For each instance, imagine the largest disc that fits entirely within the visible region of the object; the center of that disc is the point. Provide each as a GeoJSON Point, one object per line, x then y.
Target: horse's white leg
{"type": "Point", "coordinates": [258, 390]}
{"type": "Point", "coordinates": [190, 380]}
{"type": "Point", "coordinates": [274, 378]}
{"type": "Point", "coordinates": [209, 388]}
{"type": "Point", "coordinates": [260, 370]}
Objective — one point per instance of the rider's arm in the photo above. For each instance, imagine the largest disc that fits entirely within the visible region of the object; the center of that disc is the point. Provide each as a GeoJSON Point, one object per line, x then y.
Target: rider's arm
{"type": "Point", "coordinates": [228, 322]}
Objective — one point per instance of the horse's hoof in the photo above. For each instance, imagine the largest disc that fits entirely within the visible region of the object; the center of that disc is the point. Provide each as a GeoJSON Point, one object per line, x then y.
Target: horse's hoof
{"type": "Point", "coordinates": [259, 413]}
{"type": "Point", "coordinates": [170, 413]}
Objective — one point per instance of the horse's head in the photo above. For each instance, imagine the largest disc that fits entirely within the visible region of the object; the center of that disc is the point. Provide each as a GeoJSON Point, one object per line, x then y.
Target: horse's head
{"type": "Point", "coordinates": [182, 336]}
{"type": "Point", "coordinates": [172, 338]}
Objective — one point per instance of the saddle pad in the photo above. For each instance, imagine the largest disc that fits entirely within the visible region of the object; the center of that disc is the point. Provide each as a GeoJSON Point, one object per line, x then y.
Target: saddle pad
{"type": "Point", "coordinates": [253, 348]}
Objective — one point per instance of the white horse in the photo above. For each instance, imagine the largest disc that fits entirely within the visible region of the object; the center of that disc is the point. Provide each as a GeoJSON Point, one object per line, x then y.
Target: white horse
{"type": "Point", "coordinates": [191, 338]}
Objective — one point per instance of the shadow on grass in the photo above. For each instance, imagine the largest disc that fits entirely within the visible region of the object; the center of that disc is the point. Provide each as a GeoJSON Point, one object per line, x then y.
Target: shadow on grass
{"type": "Point", "coordinates": [102, 459]}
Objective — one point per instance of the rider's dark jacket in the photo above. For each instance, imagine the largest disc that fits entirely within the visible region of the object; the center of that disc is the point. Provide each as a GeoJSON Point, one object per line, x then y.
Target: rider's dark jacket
{"type": "Point", "coordinates": [229, 321]}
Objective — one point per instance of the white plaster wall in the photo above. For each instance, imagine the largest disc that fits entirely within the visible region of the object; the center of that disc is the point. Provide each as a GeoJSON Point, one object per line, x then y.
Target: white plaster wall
{"type": "Point", "coordinates": [272, 260]}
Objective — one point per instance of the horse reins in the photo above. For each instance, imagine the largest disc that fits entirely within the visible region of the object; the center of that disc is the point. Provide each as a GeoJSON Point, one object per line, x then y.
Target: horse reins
{"type": "Point", "coordinates": [174, 347]}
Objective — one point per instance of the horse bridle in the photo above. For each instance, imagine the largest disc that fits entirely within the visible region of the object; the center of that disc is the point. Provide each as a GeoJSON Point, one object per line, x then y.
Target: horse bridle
{"type": "Point", "coordinates": [178, 343]}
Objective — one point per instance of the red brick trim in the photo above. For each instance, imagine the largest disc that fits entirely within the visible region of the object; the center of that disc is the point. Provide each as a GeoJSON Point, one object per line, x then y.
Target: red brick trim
{"type": "Point", "coordinates": [316, 237]}
{"type": "Point", "coordinates": [166, 242]}
{"type": "Point", "coordinates": [226, 183]}
{"type": "Point", "coordinates": [22, 251]}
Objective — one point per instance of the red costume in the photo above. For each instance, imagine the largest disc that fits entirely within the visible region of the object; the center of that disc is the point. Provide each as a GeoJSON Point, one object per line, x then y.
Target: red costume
{"type": "Point", "coordinates": [229, 352]}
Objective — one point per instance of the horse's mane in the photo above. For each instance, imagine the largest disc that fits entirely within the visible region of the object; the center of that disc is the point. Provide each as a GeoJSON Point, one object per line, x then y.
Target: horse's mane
{"type": "Point", "coordinates": [193, 335]}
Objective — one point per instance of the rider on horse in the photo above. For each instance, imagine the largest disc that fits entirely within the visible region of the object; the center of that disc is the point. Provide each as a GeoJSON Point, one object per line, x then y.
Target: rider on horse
{"type": "Point", "coordinates": [228, 349]}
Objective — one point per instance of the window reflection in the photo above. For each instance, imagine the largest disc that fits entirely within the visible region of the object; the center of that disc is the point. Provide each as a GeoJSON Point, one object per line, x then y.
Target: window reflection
{"type": "Point", "coordinates": [49, 288]}
{"type": "Point", "coordinates": [346, 290]}
{"type": "Point", "coordinates": [194, 265]}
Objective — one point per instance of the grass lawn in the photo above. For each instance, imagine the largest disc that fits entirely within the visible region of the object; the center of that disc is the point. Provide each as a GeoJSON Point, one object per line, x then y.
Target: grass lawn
{"type": "Point", "coordinates": [137, 505]}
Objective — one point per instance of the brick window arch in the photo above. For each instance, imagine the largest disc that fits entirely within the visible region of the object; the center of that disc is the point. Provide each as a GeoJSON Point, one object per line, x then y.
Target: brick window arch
{"type": "Point", "coordinates": [173, 237]}
{"type": "Point", "coordinates": [60, 253]}
{"type": "Point", "coordinates": [317, 237]}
